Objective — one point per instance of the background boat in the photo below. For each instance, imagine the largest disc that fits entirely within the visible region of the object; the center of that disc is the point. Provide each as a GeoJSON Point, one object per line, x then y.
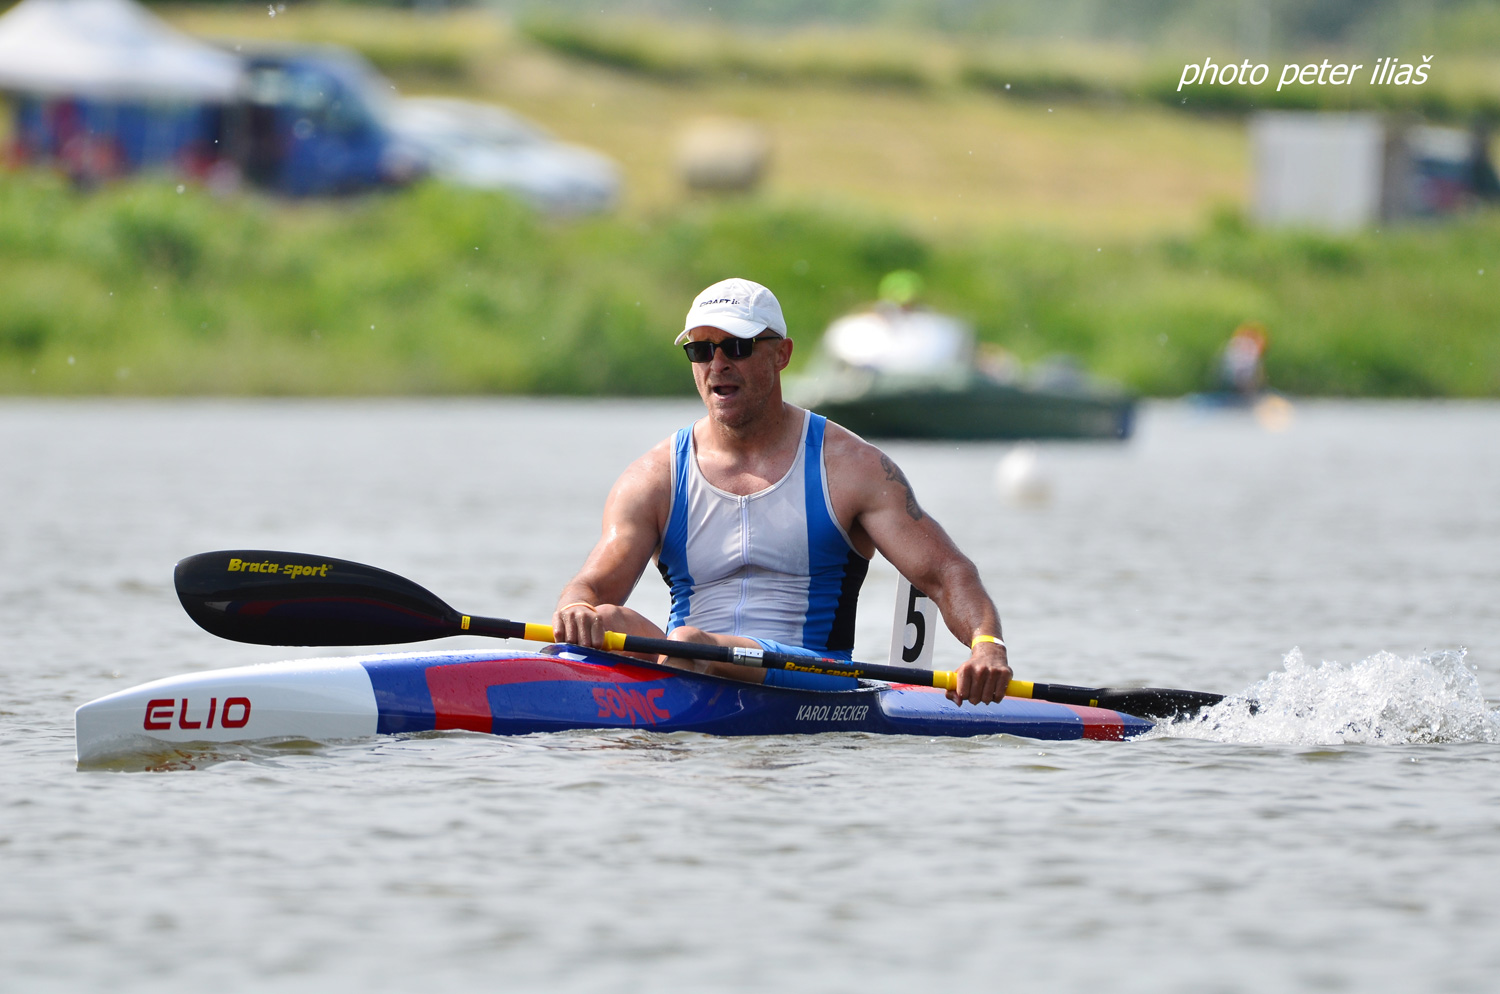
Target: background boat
{"type": "Point", "coordinates": [902, 372]}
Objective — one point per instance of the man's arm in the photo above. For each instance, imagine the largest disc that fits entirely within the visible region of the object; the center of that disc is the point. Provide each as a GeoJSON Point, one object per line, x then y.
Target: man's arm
{"type": "Point", "coordinates": [635, 513]}
{"type": "Point", "coordinates": [886, 513]}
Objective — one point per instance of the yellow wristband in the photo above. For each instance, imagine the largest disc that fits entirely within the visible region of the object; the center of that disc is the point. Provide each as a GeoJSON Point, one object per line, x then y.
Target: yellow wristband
{"type": "Point", "coordinates": [987, 638]}
{"type": "Point", "coordinates": [577, 604]}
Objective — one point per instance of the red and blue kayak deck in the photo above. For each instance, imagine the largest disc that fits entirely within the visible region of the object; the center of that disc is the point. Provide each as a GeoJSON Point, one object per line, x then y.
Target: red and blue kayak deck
{"type": "Point", "coordinates": [569, 687]}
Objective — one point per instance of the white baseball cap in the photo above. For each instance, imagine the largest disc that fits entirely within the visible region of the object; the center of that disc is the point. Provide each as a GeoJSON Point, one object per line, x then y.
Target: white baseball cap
{"type": "Point", "coordinates": [740, 307]}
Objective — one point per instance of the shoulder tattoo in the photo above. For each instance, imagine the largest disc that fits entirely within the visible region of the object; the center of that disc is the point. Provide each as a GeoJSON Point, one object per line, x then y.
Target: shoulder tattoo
{"type": "Point", "coordinates": [893, 473]}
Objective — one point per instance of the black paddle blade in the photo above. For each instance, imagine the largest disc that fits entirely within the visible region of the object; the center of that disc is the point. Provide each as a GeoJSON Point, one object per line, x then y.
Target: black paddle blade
{"type": "Point", "coordinates": [1156, 703]}
{"type": "Point", "coordinates": [1153, 703]}
{"type": "Point", "coordinates": [289, 598]}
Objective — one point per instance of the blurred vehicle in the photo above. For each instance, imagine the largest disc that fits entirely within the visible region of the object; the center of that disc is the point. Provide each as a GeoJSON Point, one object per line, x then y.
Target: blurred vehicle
{"type": "Point", "coordinates": [1446, 169]}
{"type": "Point", "coordinates": [315, 120]}
{"type": "Point", "coordinates": [897, 370]}
{"type": "Point", "coordinates": [489, 148]}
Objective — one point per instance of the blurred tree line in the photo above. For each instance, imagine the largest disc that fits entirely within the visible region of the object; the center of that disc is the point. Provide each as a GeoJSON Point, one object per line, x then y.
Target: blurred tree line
{"type": "Point", "coordinates": [138, 289]}
{"type": "Point", "coordinates": [1252, 26]}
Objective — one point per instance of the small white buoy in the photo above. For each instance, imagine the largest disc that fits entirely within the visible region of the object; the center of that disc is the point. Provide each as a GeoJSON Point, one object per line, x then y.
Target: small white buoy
{"type": "Point", "coordinates": [1274, 412]}
{"type": "Point", "coordinates": [1020, 479]}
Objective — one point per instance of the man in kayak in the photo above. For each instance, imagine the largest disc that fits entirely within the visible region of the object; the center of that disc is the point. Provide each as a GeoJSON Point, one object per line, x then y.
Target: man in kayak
{"type": "Point", "coordinates": [763, 518]}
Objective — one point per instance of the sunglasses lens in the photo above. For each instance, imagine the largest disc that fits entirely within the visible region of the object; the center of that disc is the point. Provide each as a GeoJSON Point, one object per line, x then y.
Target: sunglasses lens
{"type": "Point", "coordinates": [733, 348]}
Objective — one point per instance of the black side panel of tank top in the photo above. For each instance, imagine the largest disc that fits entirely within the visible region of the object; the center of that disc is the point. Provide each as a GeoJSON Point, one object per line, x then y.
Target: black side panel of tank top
{"type": "Point", "coordinates": [841, 635]}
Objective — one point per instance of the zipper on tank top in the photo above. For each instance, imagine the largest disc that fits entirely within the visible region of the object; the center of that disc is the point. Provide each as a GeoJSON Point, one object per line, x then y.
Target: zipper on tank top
{"type": "Point", "coordinates": [739, 609]}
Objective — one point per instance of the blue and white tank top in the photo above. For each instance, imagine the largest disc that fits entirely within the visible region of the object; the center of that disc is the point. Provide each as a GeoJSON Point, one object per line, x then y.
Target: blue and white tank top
{"type": "Point", "coordinates": [773, 565]}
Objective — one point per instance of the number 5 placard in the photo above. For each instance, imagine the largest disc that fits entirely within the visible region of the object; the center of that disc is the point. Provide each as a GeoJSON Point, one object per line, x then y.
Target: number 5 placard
{"type": "Point", "coordinates": [914, 626]}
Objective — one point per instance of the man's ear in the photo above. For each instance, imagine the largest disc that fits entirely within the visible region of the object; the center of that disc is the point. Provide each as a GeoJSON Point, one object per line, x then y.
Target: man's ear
{"type": "Point", "coordinates": [783, 353]}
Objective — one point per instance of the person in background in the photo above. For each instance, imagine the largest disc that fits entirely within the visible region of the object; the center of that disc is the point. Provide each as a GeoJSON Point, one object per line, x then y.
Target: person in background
{"type": "Point", "coordinates": [901, 288]}
{"type": "Point", "coordinates": [1241, 368]}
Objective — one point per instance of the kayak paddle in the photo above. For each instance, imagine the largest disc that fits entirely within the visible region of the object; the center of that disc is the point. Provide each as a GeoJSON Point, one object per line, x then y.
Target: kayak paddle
{"type": "Point", "coordinates": [288, 598]}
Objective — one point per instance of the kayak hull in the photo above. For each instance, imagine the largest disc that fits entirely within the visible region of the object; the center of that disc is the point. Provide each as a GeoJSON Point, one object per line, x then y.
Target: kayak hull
{"type": "Point", "coordinates": [558, 688]}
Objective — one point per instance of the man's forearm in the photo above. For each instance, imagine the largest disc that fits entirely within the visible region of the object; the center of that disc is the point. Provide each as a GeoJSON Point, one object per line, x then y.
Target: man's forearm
{"type": "Point", "coordinates": [967, 609]}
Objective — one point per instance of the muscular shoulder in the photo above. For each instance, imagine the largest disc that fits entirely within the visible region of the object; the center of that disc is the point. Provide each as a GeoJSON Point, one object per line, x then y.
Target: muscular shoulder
{"type": "Point", "coordinates": [862, 479]}
{"type": "Point", "coordinates": [644, 489]}
{"type": "Point", "coordinates": [651, 473]}
{"type": "Point", "coordinates": [850, 458]}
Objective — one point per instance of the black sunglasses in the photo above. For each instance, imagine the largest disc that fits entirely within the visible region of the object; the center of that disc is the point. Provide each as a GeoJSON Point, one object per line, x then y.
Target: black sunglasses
{"type": "Point", "coordinates": [733, 348]}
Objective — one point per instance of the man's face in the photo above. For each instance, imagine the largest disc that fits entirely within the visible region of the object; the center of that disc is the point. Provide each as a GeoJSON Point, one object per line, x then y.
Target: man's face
{"type": "Point", "coordinates": [738, 391]}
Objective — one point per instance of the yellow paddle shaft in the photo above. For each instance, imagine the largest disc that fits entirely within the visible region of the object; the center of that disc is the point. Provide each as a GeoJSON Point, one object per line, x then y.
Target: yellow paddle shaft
{"type": "Point", "coordinates": [615, 642]}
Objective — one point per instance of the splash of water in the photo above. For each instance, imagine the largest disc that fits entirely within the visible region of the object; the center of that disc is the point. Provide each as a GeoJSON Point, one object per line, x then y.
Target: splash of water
{"type": "Point", "coordinates": [1385, 699]}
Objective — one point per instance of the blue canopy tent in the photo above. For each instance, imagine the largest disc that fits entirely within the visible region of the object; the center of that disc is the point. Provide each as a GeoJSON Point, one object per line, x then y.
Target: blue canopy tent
{"type": "Point", "coordinates": [103, 87]}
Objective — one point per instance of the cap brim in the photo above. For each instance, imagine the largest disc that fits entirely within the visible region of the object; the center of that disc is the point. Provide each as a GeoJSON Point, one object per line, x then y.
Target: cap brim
{"type": "Point", "coordinates": [738, 327]}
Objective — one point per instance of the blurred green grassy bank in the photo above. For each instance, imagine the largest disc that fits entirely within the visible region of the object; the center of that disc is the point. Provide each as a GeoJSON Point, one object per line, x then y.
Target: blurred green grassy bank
{"type": "Point", "coordinates": [141, 289]}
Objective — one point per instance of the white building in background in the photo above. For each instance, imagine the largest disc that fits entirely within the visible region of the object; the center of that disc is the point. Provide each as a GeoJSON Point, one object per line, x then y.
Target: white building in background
{"type": "Point", "coordinates": [1318, 170]}
{"type": "Point", "coordinates": [1341, 172]}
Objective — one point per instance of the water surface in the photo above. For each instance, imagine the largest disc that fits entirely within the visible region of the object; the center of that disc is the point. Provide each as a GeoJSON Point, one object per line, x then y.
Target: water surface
{"type": "Point", "coordinates": [1345, 837]}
